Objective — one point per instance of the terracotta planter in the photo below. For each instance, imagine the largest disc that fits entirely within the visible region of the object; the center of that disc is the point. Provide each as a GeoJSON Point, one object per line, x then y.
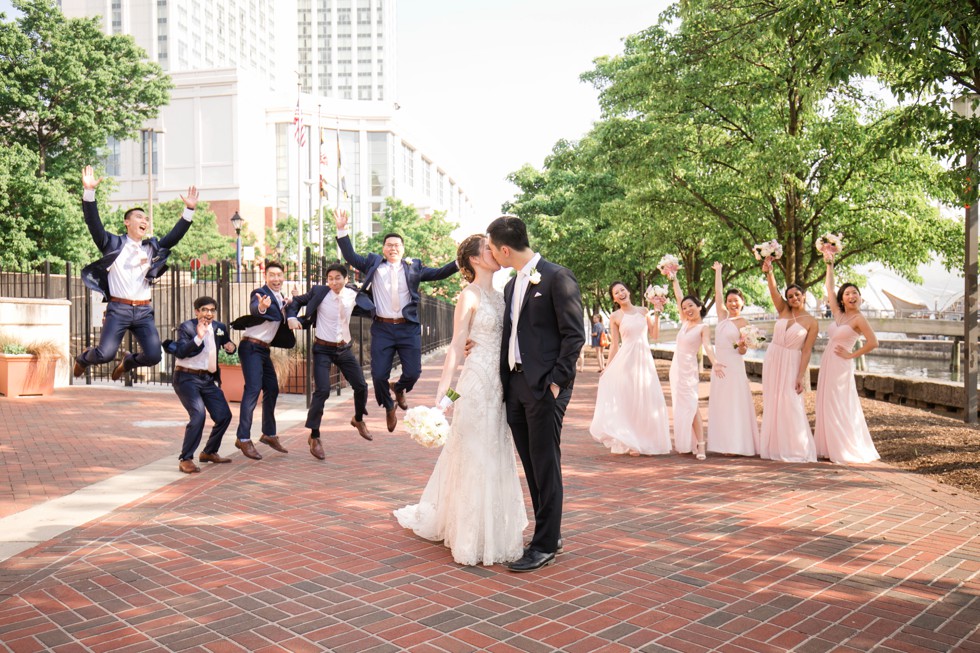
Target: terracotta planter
{"type": "Point", "coordinates": [232, 382]}
{"type": "Point", "coordinates": [21, 376]}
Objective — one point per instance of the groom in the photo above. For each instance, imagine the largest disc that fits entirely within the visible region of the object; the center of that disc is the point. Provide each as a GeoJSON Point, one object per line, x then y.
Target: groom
{"type": "Point", "coordinates": [541, 340]}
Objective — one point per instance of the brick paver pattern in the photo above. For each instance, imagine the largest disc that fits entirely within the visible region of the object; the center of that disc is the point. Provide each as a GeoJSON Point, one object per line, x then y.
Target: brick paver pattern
{"type": "Point", "coordinates": [293, 554]}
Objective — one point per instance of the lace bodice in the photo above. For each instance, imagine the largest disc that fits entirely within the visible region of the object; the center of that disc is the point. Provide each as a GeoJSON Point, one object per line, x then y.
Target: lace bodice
{"type": "Point", "coordinates": [486, 332]}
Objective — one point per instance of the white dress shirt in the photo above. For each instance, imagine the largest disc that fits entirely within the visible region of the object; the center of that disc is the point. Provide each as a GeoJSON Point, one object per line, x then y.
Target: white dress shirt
{"type": "Point", "coordinates": [381, 290]}
{"type": "Point", "coordinates": [521, 284]}
{"type": "Point", "coordinates": [333, 316]}
{"type": "Point", "coordinates": [208, 358]}
{"type": "Point", "coordinates": [267, 330]}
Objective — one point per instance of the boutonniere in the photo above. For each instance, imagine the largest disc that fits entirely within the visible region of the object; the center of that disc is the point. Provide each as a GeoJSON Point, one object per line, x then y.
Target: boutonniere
{"type": "Point", "coordinates": [534, 276]}
{"type": "Point", "coordinates": [219, 332]}
{"type": "Point", "coordinates": [407, 260]}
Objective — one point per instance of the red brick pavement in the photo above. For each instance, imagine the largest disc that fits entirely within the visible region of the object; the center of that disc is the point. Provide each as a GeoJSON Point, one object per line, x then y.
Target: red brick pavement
{"type": "Point", "coordinates": [663, 554]}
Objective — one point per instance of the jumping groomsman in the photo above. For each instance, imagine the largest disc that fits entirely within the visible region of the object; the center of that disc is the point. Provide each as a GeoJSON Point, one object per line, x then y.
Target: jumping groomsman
{"type": "Point", "coordinates": [130, 264]}
{"type": "Point", "coordinates": [390, 295]}
{"type": "Point", "coordinates": [265, 327]}
{"type": "Point", "coordinates": [328, 310]}
{"type": "Point", "coordinates": [197, 382]}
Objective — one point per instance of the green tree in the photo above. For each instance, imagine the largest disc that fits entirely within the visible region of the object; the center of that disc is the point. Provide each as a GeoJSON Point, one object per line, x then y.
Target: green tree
{"type": "Point", "coordinates": [428, 239]}
{"type": "Point", "coordinates": [65, 87]}
{"type": "Point", "coordinates": [722, 114]}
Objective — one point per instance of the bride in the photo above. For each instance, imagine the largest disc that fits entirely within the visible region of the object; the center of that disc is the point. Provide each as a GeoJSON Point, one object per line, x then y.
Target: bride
{"type": "Point", "coordinates": [473, 500]}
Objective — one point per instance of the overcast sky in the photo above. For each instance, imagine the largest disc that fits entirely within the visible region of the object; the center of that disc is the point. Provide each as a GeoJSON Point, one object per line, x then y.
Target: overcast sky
{"type": "Point", "coordinates": [488, 85]}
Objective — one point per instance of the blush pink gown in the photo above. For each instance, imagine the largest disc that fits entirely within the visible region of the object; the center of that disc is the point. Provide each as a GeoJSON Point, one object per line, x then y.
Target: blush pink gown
{"type": "Point", "coordinates": [785, 434]}
{"type": "Point", "coordinates": [732, 425]}
{"type": "Point", "coordinates": [842, 433]}
{"type": "Point", "coordinates": [684, 380]}
{"type": "Point", "coordinates": [630, 411]}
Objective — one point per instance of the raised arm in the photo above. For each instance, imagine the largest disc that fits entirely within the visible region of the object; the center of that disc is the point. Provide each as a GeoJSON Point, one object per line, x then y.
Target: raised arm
{"type": "Point", "coordinates": [678, 293]}
{"type": "Point", "coordinates": [777, 299]}
{"type": "Point", "coordinates": [437, 274]}
{"type": "Point", "coordinates": [466, 306]}
{"type": "Point", "coordinates": [720, 308]}
{"type": "Point", "coordinates": [829, 288]}
{"type": "Point", "coordinates": [90, 210]}
{"type": "Point", "coordinates": [355, 260]}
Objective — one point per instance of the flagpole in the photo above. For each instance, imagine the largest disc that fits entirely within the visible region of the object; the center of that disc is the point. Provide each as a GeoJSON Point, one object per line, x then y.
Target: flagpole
{"type": "Point", "coordinates": [319, 179]}
{"type": "Point", "coordinates": [299, 181]}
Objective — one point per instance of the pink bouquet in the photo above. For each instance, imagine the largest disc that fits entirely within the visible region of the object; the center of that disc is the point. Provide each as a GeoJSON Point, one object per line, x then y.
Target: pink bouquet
{"type": "Point", "coordinates": [830, 244]}
{"type": "Point", "coordinates": [669, 265]}
{"type": "Point", "coordinates": [770, 250]}
{"type": "Point", "coordinates": [657, 296]}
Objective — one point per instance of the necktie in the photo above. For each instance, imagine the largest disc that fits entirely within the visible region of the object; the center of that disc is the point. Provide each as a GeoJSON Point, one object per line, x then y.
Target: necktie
{"type": "Point", "coordinates": [516, 314]}
{"type": "Point", "coordinates": [212, 346]}
{"type": "Point", "coordinates": [340, 318]}
{"type": "Point", "coordinates": [396, 305]}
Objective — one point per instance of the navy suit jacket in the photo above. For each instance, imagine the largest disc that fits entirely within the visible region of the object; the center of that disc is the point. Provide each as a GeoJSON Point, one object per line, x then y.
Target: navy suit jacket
{"type": "Point", "coordinates": [96, 275]}
{"type": "Point", "coordinates": [185, 347]}
{"type": "Point", "coordinates": [550, 331]}
{"type": "Point", "coordinates": [415, 272]}
{"type": "Point", "coordinates": [284, 338]}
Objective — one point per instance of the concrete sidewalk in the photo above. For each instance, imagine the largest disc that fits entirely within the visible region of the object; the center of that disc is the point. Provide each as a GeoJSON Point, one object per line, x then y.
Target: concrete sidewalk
{"type": "Point", "coordinates": [294, 554]}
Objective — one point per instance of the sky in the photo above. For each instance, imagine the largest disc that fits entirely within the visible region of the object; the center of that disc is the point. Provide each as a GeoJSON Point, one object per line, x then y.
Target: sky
{"type": "Point", "coordinates": [488, 86]}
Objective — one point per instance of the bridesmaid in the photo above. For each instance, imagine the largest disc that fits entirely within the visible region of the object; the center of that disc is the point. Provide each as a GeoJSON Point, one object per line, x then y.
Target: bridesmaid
{"type": "Point", "coordinates": [786, 434]}
{"type": "Point", "coordinates": [732, 425]}
{"type": "Point", "coordinates": [684, 376]}
{"type": "Point", "coordinates": [842, 433]}
{"type": "Point", "coordinates": [630, 411]}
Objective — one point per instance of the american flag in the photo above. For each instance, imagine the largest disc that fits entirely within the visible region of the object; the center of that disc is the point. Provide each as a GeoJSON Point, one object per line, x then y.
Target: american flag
{"type": "Point", "coordinates": [299, 133]}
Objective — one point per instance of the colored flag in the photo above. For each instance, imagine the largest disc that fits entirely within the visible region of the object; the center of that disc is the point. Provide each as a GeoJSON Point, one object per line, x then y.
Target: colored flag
{"type": "Point", "coordinates": [299, 133]}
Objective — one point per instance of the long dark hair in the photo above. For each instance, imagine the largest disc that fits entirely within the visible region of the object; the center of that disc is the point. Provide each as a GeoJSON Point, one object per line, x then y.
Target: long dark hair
{"type": "Point", "coordinates": [697, 302]}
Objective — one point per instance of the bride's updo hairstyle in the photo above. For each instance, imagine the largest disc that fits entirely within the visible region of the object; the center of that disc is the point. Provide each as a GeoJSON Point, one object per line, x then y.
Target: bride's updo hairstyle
{"type": "Point", "coordinates": [471, 246]}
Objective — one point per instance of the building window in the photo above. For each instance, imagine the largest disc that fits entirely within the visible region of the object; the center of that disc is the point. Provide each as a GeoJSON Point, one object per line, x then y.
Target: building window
{"type": "Point", "coordinates": [427, 179]}
{"type": "Point", "coordinates": [111, 162]}
{"type": "Point", "coordinates": [364, 92]}
{"type": "Point", "coordinates": [378, 164]}
{"type": "Point", "coordinates": [408, 166]}
{"type": "Point", "coordinates": [150, 138]}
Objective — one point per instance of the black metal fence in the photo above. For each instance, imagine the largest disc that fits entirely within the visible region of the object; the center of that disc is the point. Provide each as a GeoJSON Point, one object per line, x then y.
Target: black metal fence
{"type": "Point", "coordinates": [173, 302]}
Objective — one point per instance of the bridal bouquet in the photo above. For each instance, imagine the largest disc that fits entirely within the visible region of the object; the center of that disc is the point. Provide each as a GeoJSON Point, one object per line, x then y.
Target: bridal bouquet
{"type": "Point", "coordinates": [830, 244]}
{"type": "Point", "coordinates": [427, 426]}
{"type": "Point", "coordinates": [657, 296]}
{"type": "Point", "coordinates": [448, 399]}
{"type": "Point", "coordinates": [669, 265]}
{"type": "Point", "coordinates": [750, 336]}
{"type": "Point", "coordinates": [770, 250]}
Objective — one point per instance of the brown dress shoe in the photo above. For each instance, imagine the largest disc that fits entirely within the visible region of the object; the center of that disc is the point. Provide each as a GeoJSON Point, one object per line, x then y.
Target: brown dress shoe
{"type": "Point", "coordinates": [248, 449]}
{"type": "Point", "coordinates": [120, 369]}
{"type": "Point", "coordinates": [391, 417]}
{"type": "Point", "coordinates": [188, 467]}
{"type": "Point", "coordinates": [399, 396]}
{"type": "Point", "coordinates": [273, 441]}
{"type": "Point", "coordinates": [316, 448]}
{"type": "Point", "coordinates": [77, 370]}
{"type": "Point", "coordinates": [212, 458]}
{"type": "Point", "coordinates": [362, 429]}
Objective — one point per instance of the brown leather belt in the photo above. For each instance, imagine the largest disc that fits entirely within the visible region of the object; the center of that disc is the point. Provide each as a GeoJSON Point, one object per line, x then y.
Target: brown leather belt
{"type": "Point", "coordinates": [390, 320]}
{"type": "Point", "coordinates": [255, 341]}
{"type": "Point", "coordinates": [187, 370]}
{"type": "Point", "coordinates": [131, 302]}
{"type": "Point", "coordinates": [325, 343]}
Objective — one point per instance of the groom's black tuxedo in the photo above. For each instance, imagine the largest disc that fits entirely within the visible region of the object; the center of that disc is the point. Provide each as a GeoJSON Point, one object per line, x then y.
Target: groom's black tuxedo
{"type": "Point", "coordinates": [549, 331]}
{"type": "Point", "coordinates": [550, 335]}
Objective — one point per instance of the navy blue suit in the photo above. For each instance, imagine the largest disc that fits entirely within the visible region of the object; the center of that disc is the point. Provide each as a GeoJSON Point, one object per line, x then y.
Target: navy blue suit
{"type": "Point", "coordinates": [549, 337]}
{"type": "Point", "coordinates": [120, 318]}
{"type": "Point", "coordinates": [387, 339]}
{"type": "Point", "coordinates": [260, 375]}
{"type": "Point", "coordinates": [200, 392]}
{"type": "Point", "coordinates": [324, 356]}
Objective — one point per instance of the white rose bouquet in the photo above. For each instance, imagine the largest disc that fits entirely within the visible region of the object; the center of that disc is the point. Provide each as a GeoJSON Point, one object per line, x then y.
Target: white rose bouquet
{"type": "Point", "coordinates": [830, 244]}
{"type": "Point", "coordinates": [669, 265]}
{"type": "Point", "coordinates": [427, 426]}
{"type": "Point", "coordinates": [657, 296]}
{"type": "Point", "coordinates": [750, 336]}
{"type": "Point", "coordinates": [770, 250]}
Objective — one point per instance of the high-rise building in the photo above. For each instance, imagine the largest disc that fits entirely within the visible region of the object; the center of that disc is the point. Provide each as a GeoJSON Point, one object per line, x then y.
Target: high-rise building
{"type": "Point", "coordinates": [245, 72]}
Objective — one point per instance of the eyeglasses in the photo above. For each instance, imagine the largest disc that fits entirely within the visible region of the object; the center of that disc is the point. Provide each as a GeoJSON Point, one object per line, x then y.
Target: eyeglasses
{"type": "Point", "coordinates": [208, 310]}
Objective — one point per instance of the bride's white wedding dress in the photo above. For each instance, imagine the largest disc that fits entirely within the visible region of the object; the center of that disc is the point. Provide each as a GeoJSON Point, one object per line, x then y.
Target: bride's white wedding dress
{"type": "Point", "coordinates": [473, 500]}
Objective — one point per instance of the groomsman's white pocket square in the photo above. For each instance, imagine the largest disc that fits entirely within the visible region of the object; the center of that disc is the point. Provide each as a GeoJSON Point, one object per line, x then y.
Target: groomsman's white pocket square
{"type": "Point", "coordinates": [537, 294]}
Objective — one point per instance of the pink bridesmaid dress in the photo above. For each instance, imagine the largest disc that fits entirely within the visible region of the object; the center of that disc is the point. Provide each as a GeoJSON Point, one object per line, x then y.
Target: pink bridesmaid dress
{"type": "Point", "coordinates": [732, 425]}
{"type": "Point", "coordinates": [785, 434]}
{"type": "Point", "coordinates": [684, 380]}
{"type": "Point", "coordinates": [630, 411]}
{"type": "Point", "coordinates": [842, 433]}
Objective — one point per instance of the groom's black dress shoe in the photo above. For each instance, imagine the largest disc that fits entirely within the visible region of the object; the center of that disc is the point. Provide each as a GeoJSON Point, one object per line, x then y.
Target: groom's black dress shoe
{"type": "Point", "coordinates": [532, 560]}
{"type": "Point", "coordinates": [560, 550]}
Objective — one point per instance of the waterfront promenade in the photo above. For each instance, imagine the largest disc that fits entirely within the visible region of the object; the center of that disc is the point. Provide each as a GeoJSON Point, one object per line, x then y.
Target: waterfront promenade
{"type": "Point", "coordinates": [107, 547]}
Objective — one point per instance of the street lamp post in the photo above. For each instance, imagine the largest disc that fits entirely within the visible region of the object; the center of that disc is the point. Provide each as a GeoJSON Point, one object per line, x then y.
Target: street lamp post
{"type": "Point", "coordinates": [236, 222]}
{"type": "Point", "coordinates": [150, 135]}
{"type": "Point", "coordinates": [965, 107]}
